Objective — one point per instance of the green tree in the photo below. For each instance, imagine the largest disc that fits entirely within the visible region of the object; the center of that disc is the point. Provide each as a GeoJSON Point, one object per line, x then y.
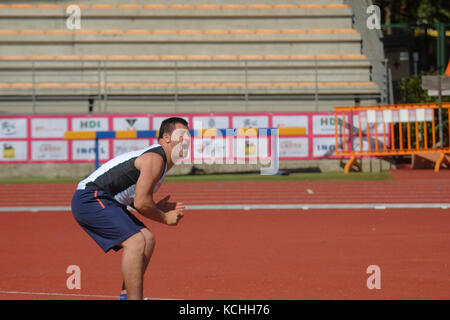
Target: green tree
{"type": "Point", "coordinates": [414, 11]}
{"type": "Point", "coordinates": [411, 92]}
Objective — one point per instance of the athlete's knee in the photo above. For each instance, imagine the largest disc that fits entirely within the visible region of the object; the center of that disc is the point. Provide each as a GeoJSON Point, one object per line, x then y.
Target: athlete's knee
{"type": "Point", "coordinates": [136, 242]}
{"type": "Point", "coordinates": [149, 238]}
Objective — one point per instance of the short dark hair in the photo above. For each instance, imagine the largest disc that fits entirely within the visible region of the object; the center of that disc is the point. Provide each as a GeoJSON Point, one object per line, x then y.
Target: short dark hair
{"type": "Point", "coordinates": [168, 125]}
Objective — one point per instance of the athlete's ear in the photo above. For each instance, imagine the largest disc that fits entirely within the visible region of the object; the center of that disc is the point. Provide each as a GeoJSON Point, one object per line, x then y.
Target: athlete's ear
{"type": "Point", "coordinates": [166, 137]}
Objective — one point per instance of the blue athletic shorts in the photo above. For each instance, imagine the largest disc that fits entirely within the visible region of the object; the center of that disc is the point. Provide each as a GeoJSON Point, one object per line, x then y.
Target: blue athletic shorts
{"type": "Point", "coordinates": [108, 222]}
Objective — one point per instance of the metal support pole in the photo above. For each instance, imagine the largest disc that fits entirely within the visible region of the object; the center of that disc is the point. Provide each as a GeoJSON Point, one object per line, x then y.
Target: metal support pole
{"type": "Point", "coordinates": [246, 84]}
{"type": "Point", "coordinates": [97, 154]}
{"type": "Point", "coordinates": [441, 63]}
{"type": "Point", "coordinates": [176, 85]}
{"type": "Point", "coordinates": [316, 90]}
{"type": "Point", "coordinates": [99, 86]}
{"type": "Point", "coordinates": [105, 86]}
{"type": "Point", "coordinates": [33, 90]}
{"type": "Point", "coordinates": [391, 88]}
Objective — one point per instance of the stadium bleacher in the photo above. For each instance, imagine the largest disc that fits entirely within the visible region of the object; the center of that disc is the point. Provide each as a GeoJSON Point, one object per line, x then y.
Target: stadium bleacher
{"type": "Point", "coordinates": [199, 56]}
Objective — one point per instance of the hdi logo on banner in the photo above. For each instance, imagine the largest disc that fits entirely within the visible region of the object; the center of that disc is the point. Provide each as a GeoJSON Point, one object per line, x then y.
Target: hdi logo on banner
{"type": "Point", "coordinates": [218, 151]}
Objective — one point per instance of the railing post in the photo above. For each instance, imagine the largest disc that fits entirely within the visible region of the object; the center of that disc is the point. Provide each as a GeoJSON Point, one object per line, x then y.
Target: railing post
{"type": "Point", "coordinates": [97, 154]}
{"type": "Point", "coordinates": [441, 129]}
{"type": "Point", "coordinates": [246, 84]}
{"type": "Point", "coordinates": [105, 86]}
{"type": "Point", "coordinates": [176, 84]}
{"type": "Point", "coordinates": [391, 87]}
{"type": "Point", "coordinates": [440, 27]}
{"type": "Point", "coordinates": [316, 90]}
{"type": "Point", "coordinates": [33, 90]}
{"type": "Point", "coordinates": [99, 86]}
{"type": "Point", "coordinates": [336, 131]}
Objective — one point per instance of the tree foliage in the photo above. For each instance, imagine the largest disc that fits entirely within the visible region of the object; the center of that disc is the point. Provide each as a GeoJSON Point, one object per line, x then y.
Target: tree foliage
{"type": "Point", "coordinates": [411, 92]}
{"type": "Point", "coordinates": [415, 11]}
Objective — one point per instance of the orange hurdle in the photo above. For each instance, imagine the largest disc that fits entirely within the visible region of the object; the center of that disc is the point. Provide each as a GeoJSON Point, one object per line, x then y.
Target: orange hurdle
{"type": "Point", "coordinates": [377, 125]}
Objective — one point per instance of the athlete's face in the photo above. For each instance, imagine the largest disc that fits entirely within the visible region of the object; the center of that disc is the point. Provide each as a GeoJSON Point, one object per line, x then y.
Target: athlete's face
{"type": "Point", "coordinates": [180, 142]}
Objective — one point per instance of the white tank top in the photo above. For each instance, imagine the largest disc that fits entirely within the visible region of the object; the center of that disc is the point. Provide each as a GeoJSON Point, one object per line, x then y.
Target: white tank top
{"type": "Point", "coordinates": [118, 176]}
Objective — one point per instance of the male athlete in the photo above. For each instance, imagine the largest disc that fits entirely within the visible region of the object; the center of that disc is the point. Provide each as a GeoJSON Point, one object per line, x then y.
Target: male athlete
{"type": "Point", "coordinates": [100, 202]}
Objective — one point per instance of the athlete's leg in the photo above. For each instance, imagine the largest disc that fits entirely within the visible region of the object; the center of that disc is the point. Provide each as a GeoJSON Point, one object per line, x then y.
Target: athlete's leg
{"type": "Point", "coordinates": [149, 246]}
{"type": "Point", "coordinates": [133, 261]}
{"type": "Point", "coordinates": [148, 251]}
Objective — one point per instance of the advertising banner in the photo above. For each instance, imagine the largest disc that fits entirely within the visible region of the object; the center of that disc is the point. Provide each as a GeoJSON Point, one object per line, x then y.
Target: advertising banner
{"type": "Point", "coordinates": [90, 124]}
{"type": "Point", "coordinates": [131, 123]}
{"type": "Point", "coordinates": [294, 147]}
{"type": "Point", "coordinates": [291, 121]}
{"type": "Point", "coordinates": [250, 121]}
{"type": "Point", "coordinates": [324, 124]}
{"type": "Point", "coordinates": [48, 127]}
{"type": "Point", "coordinates": [126, 145]}
{"type": "Point", "coordinates": [85, 150]}
{"type": "Point", "coordinates": [216, 122]}
{"type": "Point", "coordinates": [13, 151]}
{"type": "Point", "coordinates": [13, 128]}
{"type": "Point", "coordinates": [324, 147]}
{"type": "Point", "coordinates": [49, 150]}
{"type": "Point", "coordinates": [41, 138]}
{"type": "Point", "coordinates": [157, 120]}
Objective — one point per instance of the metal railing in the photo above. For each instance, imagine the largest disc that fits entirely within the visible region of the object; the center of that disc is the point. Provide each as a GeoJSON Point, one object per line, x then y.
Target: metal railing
{"type": "Point", "coordinates": [245, 80]}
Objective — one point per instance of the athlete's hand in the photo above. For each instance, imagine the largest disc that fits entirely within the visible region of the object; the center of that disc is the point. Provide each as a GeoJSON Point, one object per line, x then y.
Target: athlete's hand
{"type": "Point", "coordinates": [173, 211]}
{"type": "Point", "coordinates": [172, 217]}
{"type": "Point", "coordinates": [166, 206]}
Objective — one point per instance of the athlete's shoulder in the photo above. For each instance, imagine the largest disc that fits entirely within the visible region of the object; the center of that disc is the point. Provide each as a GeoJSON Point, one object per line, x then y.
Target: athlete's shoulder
{"type": "Point", "coordinates": [150, 166]}
{"type": "Point", "coordinates": [151, 159]}
{"type": "Point", "coordinates": [158, 150]}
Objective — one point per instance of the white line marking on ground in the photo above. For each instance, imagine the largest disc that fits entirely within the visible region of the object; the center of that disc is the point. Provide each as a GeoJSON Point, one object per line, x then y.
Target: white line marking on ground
{"type": "Point", "coordinates": [70, 295]}
{"type": "Point", "coordinates": [247, 207]}
{"type": "Point", "coordinates": [34, 208]}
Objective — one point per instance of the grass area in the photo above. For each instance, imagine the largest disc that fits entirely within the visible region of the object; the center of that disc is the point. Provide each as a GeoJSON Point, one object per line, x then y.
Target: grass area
{"type": "Point", "coordinates": [328, 176]}
{"type": "Point", "coordinates": [38, 180]}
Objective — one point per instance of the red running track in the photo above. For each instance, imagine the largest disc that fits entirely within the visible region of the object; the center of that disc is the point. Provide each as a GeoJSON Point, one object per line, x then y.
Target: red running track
{"type": "Point", "coordinates": [407, 187]}
{"type": "Point", "coordinates": [270, 254]}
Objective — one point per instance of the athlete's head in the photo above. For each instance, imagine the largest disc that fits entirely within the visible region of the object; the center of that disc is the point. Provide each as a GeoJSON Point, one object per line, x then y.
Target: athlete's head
{"type": "Point", "coordinates": [174, 132]}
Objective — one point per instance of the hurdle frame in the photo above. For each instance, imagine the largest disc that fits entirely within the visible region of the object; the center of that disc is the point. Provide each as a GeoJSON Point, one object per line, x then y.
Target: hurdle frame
{"type": "Point", "coordinates": [211, 132]}
{"type": "Point", "coordinates": [403, 112]}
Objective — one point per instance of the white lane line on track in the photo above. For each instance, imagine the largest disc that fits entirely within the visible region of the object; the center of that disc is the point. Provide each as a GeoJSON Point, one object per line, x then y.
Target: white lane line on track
{"type": "Point", "coordinates": [247, 207]}
{"type": "Point", "coordinates": [70, 295]}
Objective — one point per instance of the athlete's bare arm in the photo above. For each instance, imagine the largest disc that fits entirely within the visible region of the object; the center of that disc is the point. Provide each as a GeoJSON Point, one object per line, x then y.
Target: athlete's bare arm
{"type": "Point", "coordinates": [151, 167]}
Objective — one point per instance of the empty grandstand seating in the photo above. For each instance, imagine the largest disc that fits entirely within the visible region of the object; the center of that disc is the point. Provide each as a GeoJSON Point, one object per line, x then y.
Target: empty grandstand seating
{"type": "Point", "coordinates": [161, 51]}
